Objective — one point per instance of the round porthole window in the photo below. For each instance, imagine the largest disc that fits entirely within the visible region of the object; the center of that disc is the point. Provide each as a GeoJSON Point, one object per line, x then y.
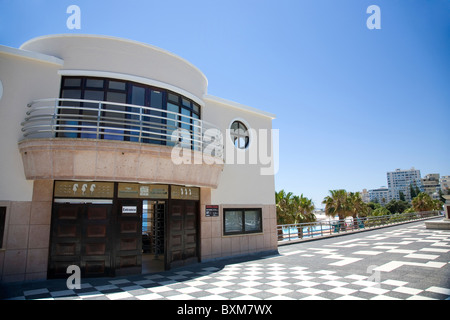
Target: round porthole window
{"type": "Point", "coordinates": [239, 135]}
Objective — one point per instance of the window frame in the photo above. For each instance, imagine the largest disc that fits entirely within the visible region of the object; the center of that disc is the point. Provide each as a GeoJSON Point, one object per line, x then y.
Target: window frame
{"type": "Point", "coordinates": [237, 134]}
{"type": "Point", "coordinates": [242, 231]}
{"type": "Point", "coordinates": [193, 109]}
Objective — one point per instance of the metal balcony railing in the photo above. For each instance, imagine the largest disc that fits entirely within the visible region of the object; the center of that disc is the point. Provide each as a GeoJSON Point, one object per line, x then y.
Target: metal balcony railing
{"type": "Point", "coordinates": [91, 119]}
{"type": "Point", "coordinates": [300, 231]}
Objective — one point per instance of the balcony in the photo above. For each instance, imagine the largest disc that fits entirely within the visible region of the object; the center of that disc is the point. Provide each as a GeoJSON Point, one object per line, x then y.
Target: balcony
{"type": "Point", "coordinates": [103, 140]}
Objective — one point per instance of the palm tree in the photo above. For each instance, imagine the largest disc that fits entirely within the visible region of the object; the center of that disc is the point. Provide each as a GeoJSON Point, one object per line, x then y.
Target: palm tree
{"type": "Point", "coordinates": [304, 208]}
{"type": "Point", "coordinates": [337, 204]}
{"type": "Point", "coordinates": [357, 207]}
{"type": "Point", "coordinates": [422, 202]}
{"type": "Point", "coordinates": [284, 207]}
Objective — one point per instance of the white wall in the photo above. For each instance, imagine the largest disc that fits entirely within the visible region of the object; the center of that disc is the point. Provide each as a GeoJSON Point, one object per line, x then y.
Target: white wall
{"type": "Point", "coordinates": [240, 183]}
{"type": "Point", "coordinates": [24, 79]}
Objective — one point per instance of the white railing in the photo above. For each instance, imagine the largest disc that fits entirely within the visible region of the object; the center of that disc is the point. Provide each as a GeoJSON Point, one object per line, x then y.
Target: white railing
{"type": "Point", "coordinates": [91, 119]}
{"type": "Point", "coordinates": [300, 231]}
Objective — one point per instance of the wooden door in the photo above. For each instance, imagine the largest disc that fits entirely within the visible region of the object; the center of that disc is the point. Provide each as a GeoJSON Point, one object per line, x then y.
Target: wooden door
{"type": "Point", "coordinates": [128, 251]}
{"type": "Point", "coordinates": [97, 241]}
{"type": "Point", "coordinates": [81, 236]}
{"type": "Point", "coordinates": [182, 240]}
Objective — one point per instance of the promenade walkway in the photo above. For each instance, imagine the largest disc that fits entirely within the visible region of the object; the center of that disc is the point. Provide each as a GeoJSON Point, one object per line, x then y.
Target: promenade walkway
{"type": "Point", "coordinates": [400, 262]}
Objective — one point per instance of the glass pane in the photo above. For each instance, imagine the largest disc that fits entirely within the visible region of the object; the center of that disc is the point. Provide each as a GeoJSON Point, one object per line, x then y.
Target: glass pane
{"type": "Point", "coordinates": [156, 99]}
{"type": "Point", "coordinates": [197, 132]}
{"type": "Point", "coordinates": [90, 116]}
{"type": "Point", "coordinates": [233, 221]}
{"type": "Point", "coordinates": [72, 82]}
{"type": "Point", "coordinates": [117, 85]}
{"type": "Point", "coordinates": [94, 83]}
{"type": "Point", "coordinates": [186, 126]}
{"type": "Point", "coordinates": [138, 96]}
{"type": "Point", "coordinates": [186, 121]}
{"type": "Point", "coordinates": [93, 95]}
{"type": "Point", "coordinates": [186, 102]}
{"type": "Point", "coordinates": [196, 108]}
{"type": "Point", "coordinates": [252, 220]}
{"type": "Point", "coordinates": [235, 126]}
{"type": "Point", "coordinates": [116, 117]}
{"type": "Point", "coordinates": [172, 125]}
{"type": "Point", "coordinates": [173, 97]}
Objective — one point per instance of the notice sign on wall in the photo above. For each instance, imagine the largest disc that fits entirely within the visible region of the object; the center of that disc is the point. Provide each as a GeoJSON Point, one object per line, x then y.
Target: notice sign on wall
{"type": "Point", "coordinates": [212, 211]}
{"type": "Point", "coordinates": [129, 209]}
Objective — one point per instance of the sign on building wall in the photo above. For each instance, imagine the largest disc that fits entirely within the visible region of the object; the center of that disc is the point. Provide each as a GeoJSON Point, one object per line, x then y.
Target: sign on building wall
{"type": "Point", "coordinates": [147, 191]}
{"type": "Point", "coordinates": [185, 193]}
{"type": "Point", "coordinates": [81, 189]}
{"type": "Point", "coordinates": [212, 211]}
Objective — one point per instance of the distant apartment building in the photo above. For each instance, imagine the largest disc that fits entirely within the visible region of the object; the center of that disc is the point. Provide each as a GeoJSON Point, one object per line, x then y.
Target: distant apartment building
{"type": "Point", "coordinates": [401, 181]}
{"type": "Point", "coordinates": [445, 184]}
{"type": "Point", "coordinates": [380, 195]}
{"type": "Point", "coordinates": [365, 196]}
{"type": "Point", "coordinates": [431, 185]}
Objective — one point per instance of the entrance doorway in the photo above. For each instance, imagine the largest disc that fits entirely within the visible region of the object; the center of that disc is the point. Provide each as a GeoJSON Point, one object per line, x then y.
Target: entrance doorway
{"type": "Point", "coordinates": [153, 230]}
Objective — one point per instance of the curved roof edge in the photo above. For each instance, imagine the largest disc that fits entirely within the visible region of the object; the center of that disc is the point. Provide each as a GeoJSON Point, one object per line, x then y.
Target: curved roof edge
{"type": "Point", "coordinates": [239, 106]}
{"type": "Point", "coordinates": [32, 55]}
{"type": "Point", "coordinates": [78, 35]}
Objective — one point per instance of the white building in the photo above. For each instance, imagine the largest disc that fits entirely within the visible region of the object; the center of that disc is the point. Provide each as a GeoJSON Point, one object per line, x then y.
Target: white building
{"type": "Point", "coordinates": [112, 147]}
{"type": "Point", "coordinates": [380, 195]}
{"type": "Point", "coordinates": [401, 180]}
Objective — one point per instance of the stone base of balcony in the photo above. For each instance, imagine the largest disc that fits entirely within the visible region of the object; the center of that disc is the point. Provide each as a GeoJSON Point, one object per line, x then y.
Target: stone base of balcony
{"type": "Point", "coordinates": [106, 160]}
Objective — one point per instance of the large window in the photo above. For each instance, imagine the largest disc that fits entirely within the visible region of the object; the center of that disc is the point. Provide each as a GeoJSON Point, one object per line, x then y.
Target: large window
{"type": "Point", "coordinates": [242, 221]}
{"type": "Point", "coordinates": [118, 122]}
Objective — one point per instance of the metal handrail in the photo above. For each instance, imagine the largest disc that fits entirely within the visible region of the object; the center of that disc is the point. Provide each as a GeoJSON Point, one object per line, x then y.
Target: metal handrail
{"type": "Point", "coordinates": [74, 118]}
{"type": "Point", "coordinates": [300, 231]}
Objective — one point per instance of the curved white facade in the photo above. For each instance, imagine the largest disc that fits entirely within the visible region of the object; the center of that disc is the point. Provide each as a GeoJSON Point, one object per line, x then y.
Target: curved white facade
{"type": "Point", "coordinates": [122, 58]}
{"type": "Point", "coordinates": [229, 196]}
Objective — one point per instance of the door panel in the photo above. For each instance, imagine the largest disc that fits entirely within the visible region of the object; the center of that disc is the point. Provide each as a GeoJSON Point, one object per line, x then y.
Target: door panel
{"type": "Point", "coordinates": [97, 241]}
{"type": "Point", "coordinates": [183, 233]}
{"type": "Point", "coordinates": [128, 256]}
{"type": "Point", "coordinates": [80, 235]}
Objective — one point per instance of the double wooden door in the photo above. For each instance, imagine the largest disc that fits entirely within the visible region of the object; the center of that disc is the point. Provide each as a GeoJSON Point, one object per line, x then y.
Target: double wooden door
{"type": "Point", "coordinates": [106, 239]}
{"type": "Point", "coordinates": [81, 235]}
{"type": "Point", "coordinates": [182, 239]}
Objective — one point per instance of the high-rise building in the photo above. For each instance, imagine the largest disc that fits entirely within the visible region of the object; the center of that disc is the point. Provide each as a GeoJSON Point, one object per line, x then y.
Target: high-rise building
{"type": "Point", "coordinates": [401, 181]}
{"type": "Point", "coordinates": [380, 195]}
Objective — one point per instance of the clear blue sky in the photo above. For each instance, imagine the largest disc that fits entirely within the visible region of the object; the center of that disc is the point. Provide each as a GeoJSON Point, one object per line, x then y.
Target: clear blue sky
{"type": "Point", "coordinates": [351, 103]}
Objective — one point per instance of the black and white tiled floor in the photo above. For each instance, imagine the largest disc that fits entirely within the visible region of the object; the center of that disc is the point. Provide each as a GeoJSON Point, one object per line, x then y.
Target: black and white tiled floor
{"type": "Point", "coordinates": [401, 262]}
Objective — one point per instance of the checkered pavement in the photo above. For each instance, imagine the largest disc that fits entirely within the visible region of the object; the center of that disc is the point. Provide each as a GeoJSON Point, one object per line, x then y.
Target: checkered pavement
{"type": "Point", "coordinates": [403, 262]}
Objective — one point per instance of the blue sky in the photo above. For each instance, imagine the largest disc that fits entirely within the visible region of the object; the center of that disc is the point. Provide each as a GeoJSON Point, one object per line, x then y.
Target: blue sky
{"type": "Point", "coordinates": [351, 103]}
